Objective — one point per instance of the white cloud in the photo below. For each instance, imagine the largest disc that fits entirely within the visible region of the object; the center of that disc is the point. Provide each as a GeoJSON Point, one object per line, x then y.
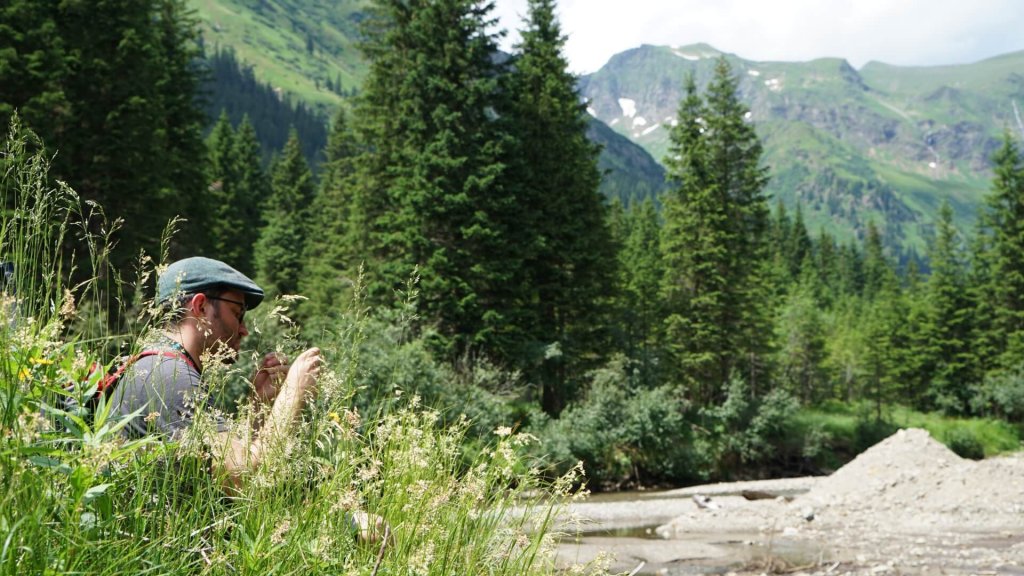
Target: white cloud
{"type": "Point", "coordinates": [908, 32]}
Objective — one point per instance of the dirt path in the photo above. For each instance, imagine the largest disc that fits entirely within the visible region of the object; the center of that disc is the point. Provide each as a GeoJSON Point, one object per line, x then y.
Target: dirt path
{"type": "Point", "coordinates": [906, 506]}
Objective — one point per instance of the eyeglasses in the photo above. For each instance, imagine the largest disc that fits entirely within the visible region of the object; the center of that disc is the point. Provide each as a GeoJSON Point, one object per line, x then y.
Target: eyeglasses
{"type": "Point", "coordinates": [241, 306]}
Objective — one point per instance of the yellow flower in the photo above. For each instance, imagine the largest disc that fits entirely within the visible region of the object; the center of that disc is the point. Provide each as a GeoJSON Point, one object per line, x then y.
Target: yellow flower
{"type": "Point", "coordinates": [40, 361]}
{"type": "Point", "coordinates": [24, 374]}
{"type": "Point", "coordinates": [334, 416]}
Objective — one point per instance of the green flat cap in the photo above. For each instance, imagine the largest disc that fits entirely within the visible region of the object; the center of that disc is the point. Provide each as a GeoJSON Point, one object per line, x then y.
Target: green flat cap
{"type": "Point", "coordinates": [192, 275]}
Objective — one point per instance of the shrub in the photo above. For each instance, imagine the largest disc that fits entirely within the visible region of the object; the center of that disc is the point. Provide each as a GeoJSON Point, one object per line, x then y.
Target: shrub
{"type": "Point", "coordinates": [965, 444]}
{"type": "Point", "coordinates": [622, 434]}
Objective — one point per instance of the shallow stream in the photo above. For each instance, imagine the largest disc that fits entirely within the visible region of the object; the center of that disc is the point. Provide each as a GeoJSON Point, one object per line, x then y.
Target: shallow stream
{"type": "Point", "coordinates": [625, 524]}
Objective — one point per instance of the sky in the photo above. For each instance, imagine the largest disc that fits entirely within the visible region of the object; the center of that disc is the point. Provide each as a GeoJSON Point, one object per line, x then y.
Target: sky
{"type": "Point", "coordinates": [900, 32]}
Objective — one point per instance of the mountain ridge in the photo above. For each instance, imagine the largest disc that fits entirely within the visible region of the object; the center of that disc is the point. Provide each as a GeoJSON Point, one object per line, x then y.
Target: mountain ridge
{"type": "Point", "coordinates": [875, 146]}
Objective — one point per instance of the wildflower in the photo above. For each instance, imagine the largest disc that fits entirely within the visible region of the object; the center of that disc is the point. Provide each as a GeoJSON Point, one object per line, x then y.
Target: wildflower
{"type": "Point", "coordinates": [367, 474]}
{"type": "Point", "coordinates": [40, 361]}
{"type": "Point", "coordinates": [278, 536]}
{"type": "Point", "coordinates": [24, 374]}
{"type": "Point", "coordinates": [422, 558]}
{"type": "Point", "coordinates": [503, 431]}
{"type": "Point", "coordinates": [352, 418]}
{"type": "Point", "coordinates": [151, 417]}
{"type": "Point", "coordinates": [335, 417]}
{"type": "Point", "coordinates": [67, 308]}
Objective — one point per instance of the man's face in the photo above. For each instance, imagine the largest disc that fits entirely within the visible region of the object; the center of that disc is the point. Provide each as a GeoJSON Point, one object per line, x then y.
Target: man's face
{"type": "Point", "coordinates": [226, 317]}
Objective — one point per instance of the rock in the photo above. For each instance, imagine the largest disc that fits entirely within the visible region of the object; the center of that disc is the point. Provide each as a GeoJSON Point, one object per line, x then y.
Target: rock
{"type": "Point", "coordinates": [704, 502]}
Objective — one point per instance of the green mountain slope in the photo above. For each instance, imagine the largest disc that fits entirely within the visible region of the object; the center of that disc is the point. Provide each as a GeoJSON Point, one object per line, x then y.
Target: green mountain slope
{"type": "Point", "coordinates": [885, 143]}
{"type": "Point", "coordinates": [305, 48]}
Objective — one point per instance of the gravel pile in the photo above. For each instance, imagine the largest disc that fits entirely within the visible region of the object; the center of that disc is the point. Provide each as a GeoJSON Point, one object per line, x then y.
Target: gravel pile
{"type": "Point", "coordinates": [912, 473]}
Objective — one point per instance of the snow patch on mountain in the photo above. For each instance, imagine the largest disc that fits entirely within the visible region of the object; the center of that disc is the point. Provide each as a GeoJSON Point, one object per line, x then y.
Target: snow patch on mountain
{"type": "Point", "coordinates": [591, 111]}
{"type": "Point", "coordinates": [753, 73]}
{"type": "Point", "coordinates": [639, 121]}
{"type": "Point", "coordinates": [650, 129]}
{"type": "Point", "coordinates": [628, 107]}
{"type": "Point", "coordinates": [686, 55]}
{"type": "Point", "coordinates": [774, 84]}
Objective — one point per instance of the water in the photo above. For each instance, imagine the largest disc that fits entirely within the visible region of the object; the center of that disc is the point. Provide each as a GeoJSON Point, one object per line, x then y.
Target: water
{"type": "Point", "coordinates": [626, 525]}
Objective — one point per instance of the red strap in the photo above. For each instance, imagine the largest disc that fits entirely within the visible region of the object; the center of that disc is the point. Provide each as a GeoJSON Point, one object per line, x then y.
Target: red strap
{"type": "Point", "coordinates": [110, 379]}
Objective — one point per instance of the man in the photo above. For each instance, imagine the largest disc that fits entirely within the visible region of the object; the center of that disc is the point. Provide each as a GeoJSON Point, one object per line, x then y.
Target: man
{"type": "Point", "coordinates": [206, 301]}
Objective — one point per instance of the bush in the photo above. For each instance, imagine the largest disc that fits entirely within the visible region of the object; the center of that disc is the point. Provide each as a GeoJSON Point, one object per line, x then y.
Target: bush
{"type": "Point", "coordinates": [1001, 394]}
{"type": "Point", "coordinates": [965, 444]}
{"type": "Point", "coordinates": [622, 434]}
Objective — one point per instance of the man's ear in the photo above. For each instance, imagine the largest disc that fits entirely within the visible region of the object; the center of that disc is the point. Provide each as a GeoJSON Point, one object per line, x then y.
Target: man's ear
{"type": "Point", "coordinates": [197, 305]}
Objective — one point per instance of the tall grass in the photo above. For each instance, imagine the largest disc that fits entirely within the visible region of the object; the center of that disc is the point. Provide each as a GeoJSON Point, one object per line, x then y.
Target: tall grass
{"type": "Point", "coordinates": [77, 497]}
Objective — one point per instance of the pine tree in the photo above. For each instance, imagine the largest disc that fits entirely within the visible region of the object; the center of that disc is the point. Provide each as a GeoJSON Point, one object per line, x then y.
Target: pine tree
{"type": "Point", "coordinates": [1005, 221]}
{"type": "Point", "coordinates": [111, 89]}
{"type": "Point", "coordinates": [181, 119]}
{"type": "Point", "coordinates": [33, 66]}
{"type": "Point", "coordinates": [568, 259]}
{"type": "Point", "coordinates": [641, 269]}
{"type": "Point", "coordinates": [801, 333]}
{"type": "Point", "coordinates": [252, 191]}
{"type": "Point", "coordinates": [799, 244]}
{"type": "Point", "coordinates": [328, 256]}
{"type": "Point", "coordinates": [714, 242]}
{"type": "Point", "coordinates": [877, 270]}
{"type": "Point", "coordinates": [947, 326]}
{"type": "Point", "coordinates": [827, 267]}
{"type": "Point", "coordinates": [228, 236]}
{"type": "Point", "coordinates": [278, 252]}
{"type": "Point", "coordinates": [430, 194]}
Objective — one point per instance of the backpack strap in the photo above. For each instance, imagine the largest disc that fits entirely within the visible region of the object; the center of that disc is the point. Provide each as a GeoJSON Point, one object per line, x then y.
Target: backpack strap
{"type": "Point", "coordinates": [108, 382]}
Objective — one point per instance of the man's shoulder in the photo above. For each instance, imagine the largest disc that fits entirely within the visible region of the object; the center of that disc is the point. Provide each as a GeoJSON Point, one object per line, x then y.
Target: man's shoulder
{"type": "Point", "coordinates": [167, 365]}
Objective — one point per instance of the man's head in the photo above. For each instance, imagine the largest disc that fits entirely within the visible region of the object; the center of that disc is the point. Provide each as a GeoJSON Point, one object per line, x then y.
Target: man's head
{"type": "Point", "coordinates": [211, 298]}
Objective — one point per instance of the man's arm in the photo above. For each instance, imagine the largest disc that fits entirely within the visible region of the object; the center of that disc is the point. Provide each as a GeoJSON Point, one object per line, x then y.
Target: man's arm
{"type": "Point", "coordinates": [237, 456]}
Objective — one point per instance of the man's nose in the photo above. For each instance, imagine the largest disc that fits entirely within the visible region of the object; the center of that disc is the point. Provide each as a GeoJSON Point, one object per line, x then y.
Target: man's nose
{"type": "Point", "coordinates": [242, 330]}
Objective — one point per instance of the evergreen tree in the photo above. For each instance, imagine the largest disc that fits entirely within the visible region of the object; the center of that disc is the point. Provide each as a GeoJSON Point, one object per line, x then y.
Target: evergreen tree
{"type": "Point", "coordinates": [798, 245]}
{"type": "Point", "coordinates": [278, 252]}
{"type": "Point", "coordinates": [947, 327]}
{"type": "Point", "coordinates": [826, 265]}
{"type": "Point", "coordinates": [328, 255]}
{"type": "Point", "coordinates": [430, 194]}
{"type": "Point", "coordinates": [111, 87]}
{"type": "Point", "coordinates": [986, 341]}
{"type": "Point", "coordinates": [1005, 221]}
{"type": "Point", "coordinates": [228, 236]}
{"type": "Point", "coordinates": [801, 333]}
{"type": "Point", "coordinates": [877, 270]}
{"type": "Point", "coordinates": [714, 242]}
{"type": "Point", "coordinates": [182, 119]}
{"type": "Point", "coordinates": [252, 191]}
{"type": "Point", "coordinates": [641, 271]}
{"type": "Point", "coordinates": [561, 223]}
{"type": "Point", "coordinates": [33, 67]}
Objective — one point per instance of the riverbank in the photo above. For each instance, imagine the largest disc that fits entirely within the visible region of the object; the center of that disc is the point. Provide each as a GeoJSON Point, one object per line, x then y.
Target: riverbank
{"type": "Point", "coordinates": [908, 505]}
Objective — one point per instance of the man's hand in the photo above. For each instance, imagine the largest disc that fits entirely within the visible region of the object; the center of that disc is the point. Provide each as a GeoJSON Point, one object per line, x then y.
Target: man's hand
{"type": "Point", "coordinates": [369, 528]}
{"type": "Point", "coordinates": [269, 376]}
{"type": "Point", "coordinates": [303, 374]}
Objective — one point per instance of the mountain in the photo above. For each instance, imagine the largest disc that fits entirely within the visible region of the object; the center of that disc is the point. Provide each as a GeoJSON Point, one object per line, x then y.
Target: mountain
{"type": "Point", "coordinates": [305, 48]}
{"type": "Point", "coordinates": [631, 174]}
{"type": "Point", "coordinates": [883, 143]}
